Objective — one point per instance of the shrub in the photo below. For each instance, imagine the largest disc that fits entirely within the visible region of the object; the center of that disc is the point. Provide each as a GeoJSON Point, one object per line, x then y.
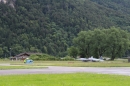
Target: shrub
{"type": "Point", "coordinates": [67, 58]}
{"type": "Point", "coordinates": [44, 57]}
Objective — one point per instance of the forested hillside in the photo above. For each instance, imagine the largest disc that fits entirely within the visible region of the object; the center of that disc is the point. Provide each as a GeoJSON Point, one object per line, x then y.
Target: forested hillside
{"type": "Point", "coordinates": [48, 26]}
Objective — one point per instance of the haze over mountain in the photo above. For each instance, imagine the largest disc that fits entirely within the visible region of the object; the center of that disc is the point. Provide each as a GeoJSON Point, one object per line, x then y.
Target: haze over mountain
{"type": "Point", "coordinates": [49, 26]}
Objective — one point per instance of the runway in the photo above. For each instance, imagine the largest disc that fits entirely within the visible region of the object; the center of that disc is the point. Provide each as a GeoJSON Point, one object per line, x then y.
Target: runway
{"type": "Point", "coordinates": [59, 69]}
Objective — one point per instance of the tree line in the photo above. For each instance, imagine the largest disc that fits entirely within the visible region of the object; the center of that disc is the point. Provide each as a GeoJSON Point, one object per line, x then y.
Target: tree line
{"type": "Point", "coordinates": [112, 42]}
{"type": "Point", "coordinates": [48, 26]}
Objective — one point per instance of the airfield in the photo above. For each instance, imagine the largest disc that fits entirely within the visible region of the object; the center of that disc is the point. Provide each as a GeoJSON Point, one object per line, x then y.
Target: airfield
{"type": "Point", "coordinates": [60, 69]}
{"type": "Point", "coordinates": [118, 67]}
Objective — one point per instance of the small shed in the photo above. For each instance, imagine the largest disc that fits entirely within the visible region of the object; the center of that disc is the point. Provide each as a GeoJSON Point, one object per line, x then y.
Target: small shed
{"type": "Point", "coordinates": [20, 56]}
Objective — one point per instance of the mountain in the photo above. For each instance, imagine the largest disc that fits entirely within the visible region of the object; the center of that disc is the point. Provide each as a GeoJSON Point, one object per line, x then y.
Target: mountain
{"type": "Point", "coordinates": [49, 26]}
{"type": "Point", "coordinates": [121, 11]}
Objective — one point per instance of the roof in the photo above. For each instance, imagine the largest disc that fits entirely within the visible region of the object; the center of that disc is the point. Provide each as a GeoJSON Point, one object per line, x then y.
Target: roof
{"type": "Point", "coordinates": [26, 53]}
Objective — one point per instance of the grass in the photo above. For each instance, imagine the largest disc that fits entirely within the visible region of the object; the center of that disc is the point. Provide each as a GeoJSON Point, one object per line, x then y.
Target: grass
{"type": "Point", "coordinates": [5, 65]}
{"type": "Point", "coordinates": [116, 63]}
{"type": "Point", "coordinates": [43, 64]}
{"type": "Point", "coordinates": [76, 79]}
{"type": "Point", "coordinates": [20, 67]}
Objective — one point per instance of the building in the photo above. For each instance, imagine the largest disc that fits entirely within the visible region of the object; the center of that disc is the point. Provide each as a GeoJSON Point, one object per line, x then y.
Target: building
{"type": "Point", "coordinates": [22, 56]}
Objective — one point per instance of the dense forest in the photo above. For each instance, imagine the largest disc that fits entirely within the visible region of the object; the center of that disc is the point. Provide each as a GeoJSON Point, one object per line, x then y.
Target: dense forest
{"type": "Point", "coordinates": [49, 26]}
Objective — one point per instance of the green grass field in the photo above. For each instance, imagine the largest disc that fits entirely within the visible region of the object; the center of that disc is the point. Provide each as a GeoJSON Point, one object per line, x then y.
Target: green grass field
{"type": "Point", "coordinates": [20, 67]}
{"type": "Point", "coordinates": [76, 79]}
{"type": "Point", "coordinates": [42, 64]}
{"type": "Point", "coordinates": [72, 79]}
{"type": "Point", "coordinates": [116, 63]}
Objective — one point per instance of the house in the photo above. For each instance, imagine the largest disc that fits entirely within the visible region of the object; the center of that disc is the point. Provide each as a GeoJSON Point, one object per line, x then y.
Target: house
{"type": "Point", "coordinates": [22, 56]}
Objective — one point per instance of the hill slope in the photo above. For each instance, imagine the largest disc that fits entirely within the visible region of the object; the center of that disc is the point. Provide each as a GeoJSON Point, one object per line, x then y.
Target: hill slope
{"type": "Point", "coordinates": [49, 26]}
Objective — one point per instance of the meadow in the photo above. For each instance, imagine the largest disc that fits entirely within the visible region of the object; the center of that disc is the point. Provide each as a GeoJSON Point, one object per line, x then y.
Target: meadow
{"type": "Point", "coordinates": [74, 79]}
{"type": "Point", "coordinates": [44, 64]}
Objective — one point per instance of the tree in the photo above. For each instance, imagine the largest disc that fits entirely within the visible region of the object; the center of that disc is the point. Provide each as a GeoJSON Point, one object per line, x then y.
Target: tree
{"type": "Point", "coordinates": [84, 42]}
{"type": "Point", "coordinates": [112, 42]}
{"type": "Point", "coordinates": [16, 49]}
{"type": "Point", "coordinates": [119, 42]}
{"type": "Point", "coordinates": [34, 49]}
{"type": "Point", "coordinates": [37, 23]}
{"type": "Point", "coordinates": [91, 43]}
{"type": "Point", "coordinates": [73, 51]}
{"type": "Point", "coordinates": [1, 52]}
{"type": "Point", "coordinates": [99, 44]}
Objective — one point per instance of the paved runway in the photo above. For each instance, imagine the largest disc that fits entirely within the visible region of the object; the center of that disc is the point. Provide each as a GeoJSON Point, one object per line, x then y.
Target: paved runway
{"type": "Point", "coordinates": [57, 69]}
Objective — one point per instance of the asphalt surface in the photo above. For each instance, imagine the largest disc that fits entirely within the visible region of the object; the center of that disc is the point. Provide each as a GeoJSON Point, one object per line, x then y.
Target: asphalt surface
{"type": "Point", "coordinates": [57, 69]}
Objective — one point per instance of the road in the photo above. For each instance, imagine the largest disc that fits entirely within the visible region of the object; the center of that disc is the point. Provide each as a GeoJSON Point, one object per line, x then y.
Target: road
{"type": "Point", "coordinates": [58, 69]}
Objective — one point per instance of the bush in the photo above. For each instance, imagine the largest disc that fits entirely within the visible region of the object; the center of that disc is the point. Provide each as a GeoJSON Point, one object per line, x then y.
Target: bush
{"type": "Point", "coordinates": [44, 57]}
{"type": "Point", "coordinates": [67, 58]}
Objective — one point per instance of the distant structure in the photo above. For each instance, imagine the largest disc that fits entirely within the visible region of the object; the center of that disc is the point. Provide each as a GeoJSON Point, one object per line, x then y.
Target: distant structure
{"type": "Point", "coordinates": [22, 56]}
